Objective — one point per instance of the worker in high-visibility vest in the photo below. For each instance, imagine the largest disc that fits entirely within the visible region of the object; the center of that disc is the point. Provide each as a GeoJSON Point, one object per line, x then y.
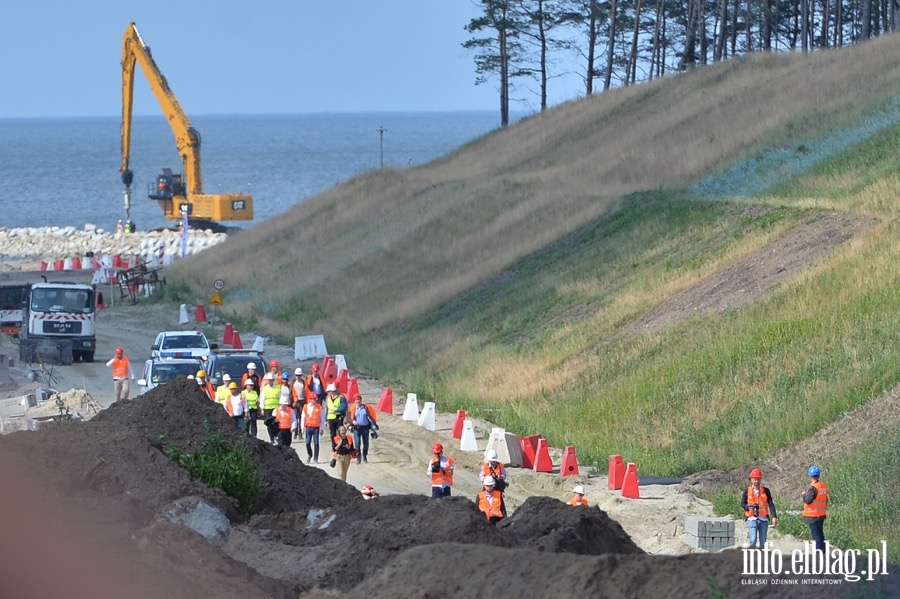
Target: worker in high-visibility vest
{"type": "Point", "coordinates": [122, 373]}
{"type": "Point", "coordinates": [815, 507]}
{"type": "Point", "coordinates": [759, 509]}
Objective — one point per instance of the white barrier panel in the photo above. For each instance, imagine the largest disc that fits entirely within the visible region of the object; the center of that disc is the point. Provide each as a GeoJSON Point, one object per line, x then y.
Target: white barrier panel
{"type": "Point", "coordinates": [467, 440]}
{"type": "Point", "coordinates": [426, 419]}
{"type": "Point", "coordinates": [259, 344]}
{"type": "Point", "coordinates": [309, 347]}
{"type": "Point", "coordinates": [183, 319]}
{"type": "Point", "coordinates": [341, 363]}
{"type": "Point", "coordinates": [411, 411]}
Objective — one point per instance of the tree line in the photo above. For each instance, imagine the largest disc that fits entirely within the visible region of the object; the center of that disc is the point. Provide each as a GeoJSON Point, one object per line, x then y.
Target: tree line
{"type": "Point", "coordinates": [525, 44]}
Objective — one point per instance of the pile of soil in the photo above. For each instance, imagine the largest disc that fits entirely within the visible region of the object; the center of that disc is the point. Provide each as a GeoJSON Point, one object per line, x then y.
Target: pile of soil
{"type": "Point", "coordinates": [87, 502]}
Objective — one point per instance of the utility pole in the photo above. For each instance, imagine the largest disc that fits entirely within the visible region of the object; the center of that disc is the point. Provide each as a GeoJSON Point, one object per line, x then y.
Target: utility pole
{"type": "Point", "coordinates": [381, 131]}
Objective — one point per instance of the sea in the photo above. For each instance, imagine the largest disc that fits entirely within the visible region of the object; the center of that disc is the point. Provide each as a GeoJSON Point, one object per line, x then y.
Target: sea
{"type": "Point", "coordinates": [65, 171]}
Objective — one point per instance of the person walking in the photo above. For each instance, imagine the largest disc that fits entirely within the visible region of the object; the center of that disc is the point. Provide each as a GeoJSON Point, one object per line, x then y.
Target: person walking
{"type": "Point", "coordinates": [363, 423]}
{"type": "Point", "coordinates": [298, 395]}
{"type": "Point", "coordinates": [236, 405]}
{"type": "Point", "coordinates": [223, 391]}
{"type": "Point", "coordinates": [440, 469]}
{"type": "Point", "coordinates": [270, 394]}
{"type": "Point", "coordinates": [287, 422]}
{"type": "Point", "coordinates": [311, 423]}
{"type": "Point", "coordinates": [490, 501]}
{"type": "Point", "coordinates": [315, 385]}
{"type": "Point", "coordinates": [493, 467]}
{"type": "Point", "coordinates": [251, 396]}
{"type": "Point", "coordinates": [336, 408]}
{"type": "Point", "coordinates": [205, 386]}
{"type": "Point", "coordinates": [815, 507]}
{"type": "Point", "coordinates": [121, 373]}
{"type": "Point", "coordinates": [578, 496]}
{"type": "Point", "coordinates": [252, 375]}
{"type": "Point", "coordinates": [759, 508]}
{"type": "Point", "coordinates": [343, 451]}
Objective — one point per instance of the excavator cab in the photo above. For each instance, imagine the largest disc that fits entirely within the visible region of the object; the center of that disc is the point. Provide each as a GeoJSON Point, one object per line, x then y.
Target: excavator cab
{"type": "Point", "coordinates": [166, 186]}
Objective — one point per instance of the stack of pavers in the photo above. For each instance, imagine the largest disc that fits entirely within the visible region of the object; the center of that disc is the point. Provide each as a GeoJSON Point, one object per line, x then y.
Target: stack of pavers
{"type": "Point", "coordinates": [709, 534]}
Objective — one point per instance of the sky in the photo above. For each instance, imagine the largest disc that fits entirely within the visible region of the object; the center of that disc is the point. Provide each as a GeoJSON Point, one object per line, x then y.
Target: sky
{"type": "Point", "coordinates": [61, 58]}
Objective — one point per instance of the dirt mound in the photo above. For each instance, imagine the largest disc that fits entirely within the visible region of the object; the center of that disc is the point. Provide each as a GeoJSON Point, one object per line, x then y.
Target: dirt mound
{"type": "Point", "coordinates": [177, 413]}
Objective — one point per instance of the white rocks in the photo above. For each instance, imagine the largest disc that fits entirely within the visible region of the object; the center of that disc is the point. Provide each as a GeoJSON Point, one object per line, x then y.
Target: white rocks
{"type": "Point", "coordinates": [56, 243]}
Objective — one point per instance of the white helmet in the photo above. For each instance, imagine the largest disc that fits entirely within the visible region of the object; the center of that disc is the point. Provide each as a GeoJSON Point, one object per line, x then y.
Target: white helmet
{"type": "Point", "coordinates": [298, 371]}
{"type": "Point", "coordinates": [226, 377]}
{"type": "Point", "coordinates": [251, 366]}
{"type": "Point", "coordinates": [492, 456]}
{"type": "Point", "coordinates": [284, 401]}
{"type": "Point", "coordinates": [330, 387]}
{"type": "Point", "coordinates": [489, 481]}
{"type": "Point", "coordinates": [578, 489]}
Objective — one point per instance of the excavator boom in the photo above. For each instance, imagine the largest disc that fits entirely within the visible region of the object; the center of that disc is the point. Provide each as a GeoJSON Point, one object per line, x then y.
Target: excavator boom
{"type": "Point", "coordinates": [175, 193]}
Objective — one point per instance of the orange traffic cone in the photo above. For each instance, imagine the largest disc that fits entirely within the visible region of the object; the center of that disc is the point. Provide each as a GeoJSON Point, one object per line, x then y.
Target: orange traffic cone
{"type": "Point", "coordinates": [353, 389]}
{"type": "Point", "coordinates": [616, 472]}
{"type": "Point", "coordinates": [569, 462]}
{"type": "Point", "coordinates": [458, 425]}
{"type": "Point", "coordinates": [228, 336]}
{"type": "Point", "coordinates": [236, 341]}
{"type": "Point", "coordinates": [542, 461]}
{"type": "Point", "coordinates": [630, 483]}
{"type": "Point", "coordinates": [343, 382]}
{"type": "Point", "coordinates": [386, 403]}
{"type": "Point", "coordinates": [201, 313]}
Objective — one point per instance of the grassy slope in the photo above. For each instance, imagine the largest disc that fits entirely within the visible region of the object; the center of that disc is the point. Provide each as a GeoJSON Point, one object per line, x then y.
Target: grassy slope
{"type": "Point", "coordinates": [499, 278]}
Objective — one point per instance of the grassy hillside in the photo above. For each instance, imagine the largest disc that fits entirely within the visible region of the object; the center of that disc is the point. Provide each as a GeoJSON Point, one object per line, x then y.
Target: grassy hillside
{"type": "Point", "coordinates": [507, 277]}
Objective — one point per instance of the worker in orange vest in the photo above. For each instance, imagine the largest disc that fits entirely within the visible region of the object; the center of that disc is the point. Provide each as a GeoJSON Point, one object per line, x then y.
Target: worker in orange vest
{"type": "Point", "coordinates": [311, 423]}
{"type": "Point", "coordinates": [578, 496]}
{"type": "Point", "coordinates": [121, 371]}
{"type": "Point", "coordinates": [440, 469]}
{"type": "Point", "coordinates": [490, 501]}
{"type": "Point", "coordinates": [315, 385]}
{"type": "Point", "coordinates": [815, 507]}
{"type": "Point", "coordinates": [287, 422]}
{"type": "Point", "coordinates": [494, 467]}
{"type": "Point", "coordinates": [344, 451]}
{"type": "Point", "coordinates": [759, 509]}
{"type": "Point", "coordinates": [205, 385]}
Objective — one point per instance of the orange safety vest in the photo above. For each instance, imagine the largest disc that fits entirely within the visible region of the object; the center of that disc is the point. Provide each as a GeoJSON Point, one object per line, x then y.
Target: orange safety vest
{"type": "Point", "coordinates": [439, 478]}
{"type": "Point", "coordinates": [285, 416]}
{"type": "Point", "coordinates": [308, 384]}
{"type": "Point", "coordinates": [762, 499]}
{"type": "Point", "coordinates": [575, 501]}
{"type": "Point", "coordinates": [229, 405]}
{"type": "Point", "coordinates": [337, 442]}
{"type": "Point", "coordinates": [497, 472]}
{"type": "Point", "coordinates": [819, 507]}
{"type": "Point", "coordinates": [312, 414]}
{"type": "Point", "coordinates": [491, 504]}
{"type": "Point", "coordinates": [209, 390]}
{"type": "Point", "coordinates": [120, 367]}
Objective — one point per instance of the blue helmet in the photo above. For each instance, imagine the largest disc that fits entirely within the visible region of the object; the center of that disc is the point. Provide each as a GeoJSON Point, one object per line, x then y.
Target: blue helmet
{"type": "Point", "coordinates": [285, 376]}
{"type": "Point", "coordinates": [813, 471]}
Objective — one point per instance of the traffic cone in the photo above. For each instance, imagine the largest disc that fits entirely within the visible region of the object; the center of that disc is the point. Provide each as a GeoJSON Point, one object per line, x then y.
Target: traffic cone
{"type": "Point", "coordinates": [76, 263]}
{"type": "Point", "coordinates": [411, 411]}
{"type": "Point", "coordinates": [353, 389]}
{"type": "Point", "coordinates": [616, 472]}
{"type": "Point", "coordinates": [42, 265]}
{"type": "Point", "coordinates": [569, 464]}
{"type": "Point", "coordinates": [426, 418]}
{"type": "Point", "coordinates": [59, 265]}
{"type": "Point", "coordinates": [343, 384]}
{"type": "Point", "coordinates": [386, 403]}
{"type": "Point", "coordinates": [228, 336]}
{"type": "Point", "coordinates": [458, 425]}
{"type": "Point", "coordinates": [183, 316]}
{"type": "Point", "coordinates": [236, 341]}
{"type": "Point", "coordinates": [630, 483]}
{"type": "Point", "coordinates": [467, 442]}
{"type": "Point", "coordinates": [201, 313]}
{"type": "Point", "coordinates": [529, 450]}
{"type": "Point", "coordinates": [542, 461]}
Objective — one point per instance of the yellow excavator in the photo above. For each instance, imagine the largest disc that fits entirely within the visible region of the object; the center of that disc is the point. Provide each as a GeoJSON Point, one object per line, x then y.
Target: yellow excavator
{"type": "Point", "coordinates": [178, 195]}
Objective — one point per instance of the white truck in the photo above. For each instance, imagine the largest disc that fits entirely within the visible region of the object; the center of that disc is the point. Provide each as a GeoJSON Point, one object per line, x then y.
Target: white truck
{"type": "Point", "coordinates": [58, 324]}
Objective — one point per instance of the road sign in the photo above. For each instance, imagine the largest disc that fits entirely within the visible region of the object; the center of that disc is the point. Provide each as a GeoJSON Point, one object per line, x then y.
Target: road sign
{"type": "Point", "coordinates": [219, 285]}
{"type": "Point", "coordinates": [215, 300]}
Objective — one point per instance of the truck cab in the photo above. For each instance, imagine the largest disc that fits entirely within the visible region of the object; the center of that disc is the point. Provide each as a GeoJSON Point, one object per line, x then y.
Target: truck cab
{"type": "Point", "coordinates": [58, 323]}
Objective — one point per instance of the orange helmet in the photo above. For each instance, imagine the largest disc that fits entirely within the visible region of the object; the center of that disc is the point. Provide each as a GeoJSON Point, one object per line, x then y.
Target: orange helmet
{"type": "Point", "coordinates": [119, 351]}
{"type": "Point", "coordinates": [315, 368]}
{"type": "Point", "coordinates": [755, 473]}
{"type": "Point", "coordinates": [437, 448]}
{"type": "Point", "coordinates": [274, 364]}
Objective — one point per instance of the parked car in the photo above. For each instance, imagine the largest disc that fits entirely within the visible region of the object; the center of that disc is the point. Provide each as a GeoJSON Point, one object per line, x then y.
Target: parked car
{"type": "Point", "coordinates": [181, 344]}
{"type": "Point", "coordinates": [158, 371]}
{"type": "Point", "coordinates": [234, 362]}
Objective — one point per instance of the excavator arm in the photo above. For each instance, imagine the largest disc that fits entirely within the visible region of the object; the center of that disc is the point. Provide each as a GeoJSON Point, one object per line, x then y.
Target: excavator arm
{"type": "Point", "coordinates": [180, 192]}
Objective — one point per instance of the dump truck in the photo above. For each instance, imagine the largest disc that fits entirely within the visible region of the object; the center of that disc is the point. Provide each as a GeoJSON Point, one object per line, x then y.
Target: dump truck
{"type": "Point", "coordinates": [58, 323]}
